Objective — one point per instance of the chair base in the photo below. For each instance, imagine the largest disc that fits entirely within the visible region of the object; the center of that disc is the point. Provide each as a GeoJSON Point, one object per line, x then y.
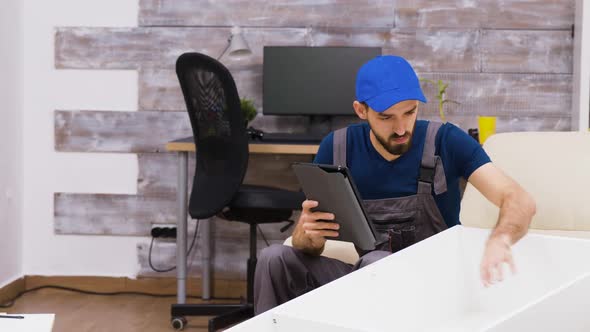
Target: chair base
{"type": "Point", "coordinates": [225, 314]}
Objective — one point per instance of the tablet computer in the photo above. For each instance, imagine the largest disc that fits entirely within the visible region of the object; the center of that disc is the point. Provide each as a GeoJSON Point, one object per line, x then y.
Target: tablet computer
{"type": "Point", "coordinates": [332, 187]}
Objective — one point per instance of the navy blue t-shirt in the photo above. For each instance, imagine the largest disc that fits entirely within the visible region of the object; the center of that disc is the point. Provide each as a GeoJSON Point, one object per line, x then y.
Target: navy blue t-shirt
{"type": "Point", "coordinates": [377, 178]}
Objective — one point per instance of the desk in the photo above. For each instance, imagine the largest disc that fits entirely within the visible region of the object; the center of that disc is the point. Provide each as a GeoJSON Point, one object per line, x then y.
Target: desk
{"type": "Point", "coordinates": [183, 147]}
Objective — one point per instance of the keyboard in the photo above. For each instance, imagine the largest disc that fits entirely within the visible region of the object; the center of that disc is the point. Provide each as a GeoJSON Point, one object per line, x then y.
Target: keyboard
{"type": "Point", "coordinates": [291, 138]}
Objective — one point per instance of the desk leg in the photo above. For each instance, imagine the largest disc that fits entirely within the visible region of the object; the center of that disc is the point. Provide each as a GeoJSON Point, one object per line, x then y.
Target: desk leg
{"type": "Point", "coordinates": [181, 226]}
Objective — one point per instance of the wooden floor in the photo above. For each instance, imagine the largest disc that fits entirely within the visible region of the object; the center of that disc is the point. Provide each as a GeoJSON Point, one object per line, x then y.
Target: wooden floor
{"type": "Point", "coordinates": [82, 313]}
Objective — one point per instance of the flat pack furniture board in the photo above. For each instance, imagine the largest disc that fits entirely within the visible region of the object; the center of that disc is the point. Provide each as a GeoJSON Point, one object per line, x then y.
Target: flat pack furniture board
{"type": "Point", "coordinates": [29, 323]}
{"type": "Point", "coordinates": [435, 285]}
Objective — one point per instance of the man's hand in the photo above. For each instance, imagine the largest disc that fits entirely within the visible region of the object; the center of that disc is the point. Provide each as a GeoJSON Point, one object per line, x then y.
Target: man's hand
{"type": "Point", "coordinates": [517, 208]}
{"type": "Point", "coordinates": [497, 252]}
{"type": "Point", "coordinates": [311, 230]}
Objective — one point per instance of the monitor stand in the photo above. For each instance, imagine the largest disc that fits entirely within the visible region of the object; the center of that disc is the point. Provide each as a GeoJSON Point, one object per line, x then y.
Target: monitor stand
{"type": "Point", "coordinates": [319, 125]}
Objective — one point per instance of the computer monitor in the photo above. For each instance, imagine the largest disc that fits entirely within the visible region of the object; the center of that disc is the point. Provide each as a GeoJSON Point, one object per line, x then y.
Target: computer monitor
{"type": "Point", "coordinates": [299, 80]}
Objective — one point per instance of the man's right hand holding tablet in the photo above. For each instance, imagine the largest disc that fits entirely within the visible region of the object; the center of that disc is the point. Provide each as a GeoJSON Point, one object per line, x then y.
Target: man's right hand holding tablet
{"type": "Point", "coordinates": [313, 228]}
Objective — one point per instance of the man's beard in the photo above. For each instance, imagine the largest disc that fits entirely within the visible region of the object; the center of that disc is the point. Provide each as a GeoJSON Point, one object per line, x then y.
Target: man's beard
{"type": "Point", "coordinates": [392, 147]}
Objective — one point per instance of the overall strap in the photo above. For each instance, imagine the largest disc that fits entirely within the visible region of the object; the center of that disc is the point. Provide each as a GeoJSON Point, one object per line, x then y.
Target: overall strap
{"type": "Point", "coordinates": [432, 173]}
{"type": "Point", "coordinates": [340, 147]}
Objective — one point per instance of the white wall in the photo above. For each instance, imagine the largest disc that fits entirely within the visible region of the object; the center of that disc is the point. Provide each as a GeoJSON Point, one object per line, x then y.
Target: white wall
{"type": "Point", "coordinates": [46, 171]}
{"type": "Point", "coordinates": [11, 95]}
{"type": "Point", "coordinates": [581, 84]}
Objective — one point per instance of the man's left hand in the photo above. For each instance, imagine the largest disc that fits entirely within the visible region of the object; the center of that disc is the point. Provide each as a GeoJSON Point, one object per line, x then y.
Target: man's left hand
{"type": "Point", "coordinates": [496, 253]}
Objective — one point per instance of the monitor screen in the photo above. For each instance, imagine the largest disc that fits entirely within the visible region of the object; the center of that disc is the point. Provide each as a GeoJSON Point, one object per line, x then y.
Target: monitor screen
{"type": "Point", "coordinates": [299, 80]}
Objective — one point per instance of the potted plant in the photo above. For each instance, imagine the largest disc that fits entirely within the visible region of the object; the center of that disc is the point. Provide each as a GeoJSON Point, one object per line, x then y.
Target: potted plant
{"type": "Point", "coordinates": [249, 110]}
{"type": "Point", "coordinates": [441, 89]}
{"type": "Point", "coordinates": [486, 124]}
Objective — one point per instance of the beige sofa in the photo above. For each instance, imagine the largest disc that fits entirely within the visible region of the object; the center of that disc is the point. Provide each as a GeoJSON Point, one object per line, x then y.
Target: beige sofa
{"type": "Point", "coordinates": [553, 166]}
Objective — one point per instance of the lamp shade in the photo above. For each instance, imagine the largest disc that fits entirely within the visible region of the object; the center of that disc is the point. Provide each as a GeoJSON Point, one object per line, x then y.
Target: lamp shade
{"type": "Point", "coordinates": [237, 44]}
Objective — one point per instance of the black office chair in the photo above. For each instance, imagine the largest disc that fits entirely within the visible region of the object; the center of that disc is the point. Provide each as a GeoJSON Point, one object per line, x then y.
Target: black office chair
{"type": "Point", "coordinates": [222, 158]}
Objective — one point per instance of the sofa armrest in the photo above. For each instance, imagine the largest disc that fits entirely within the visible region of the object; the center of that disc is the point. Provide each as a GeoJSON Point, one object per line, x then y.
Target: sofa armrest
{"type": "Point", "coordinates": [340, 250]}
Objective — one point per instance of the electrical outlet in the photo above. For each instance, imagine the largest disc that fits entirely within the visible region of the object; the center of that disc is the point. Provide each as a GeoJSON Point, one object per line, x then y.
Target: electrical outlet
{"type": "Point", "coordinates": [164, 231]}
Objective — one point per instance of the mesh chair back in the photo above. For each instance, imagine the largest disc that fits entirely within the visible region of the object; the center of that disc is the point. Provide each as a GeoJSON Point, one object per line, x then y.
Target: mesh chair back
{"type": "Point", "coordinates": [219, 131]}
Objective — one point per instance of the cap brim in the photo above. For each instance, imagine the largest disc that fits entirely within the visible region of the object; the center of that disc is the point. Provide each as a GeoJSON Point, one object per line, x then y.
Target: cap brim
{"type": "Point", "coordinates": [387, 99]}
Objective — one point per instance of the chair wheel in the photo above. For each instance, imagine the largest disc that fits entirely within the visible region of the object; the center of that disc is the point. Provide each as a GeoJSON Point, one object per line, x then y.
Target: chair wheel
{"type": "Point", "coordinates": [178, 323]}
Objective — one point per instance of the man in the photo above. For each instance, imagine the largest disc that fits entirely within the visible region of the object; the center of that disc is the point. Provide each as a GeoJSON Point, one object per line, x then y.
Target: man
{"type": "Point", "coordinates": [407, 172]}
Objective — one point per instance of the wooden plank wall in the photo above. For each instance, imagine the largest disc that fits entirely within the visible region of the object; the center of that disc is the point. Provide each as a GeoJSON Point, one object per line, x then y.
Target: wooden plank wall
{"type": "Point", "coordinates": [511, 59]}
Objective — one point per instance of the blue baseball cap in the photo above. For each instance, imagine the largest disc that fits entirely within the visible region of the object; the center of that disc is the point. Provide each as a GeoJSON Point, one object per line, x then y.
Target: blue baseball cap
{"type": "Point", "coordinates": [387, 80]}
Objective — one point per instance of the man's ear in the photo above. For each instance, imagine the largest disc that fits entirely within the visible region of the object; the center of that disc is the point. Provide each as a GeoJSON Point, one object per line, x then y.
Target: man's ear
{"type": "Point", "coordinates": [360, 110]}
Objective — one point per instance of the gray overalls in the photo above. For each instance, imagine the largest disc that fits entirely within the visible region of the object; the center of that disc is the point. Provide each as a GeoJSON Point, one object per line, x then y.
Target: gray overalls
{"type": "Point", "coordinates": [404, 221]}
{"type": "Point", "coordinates": [283, 273]}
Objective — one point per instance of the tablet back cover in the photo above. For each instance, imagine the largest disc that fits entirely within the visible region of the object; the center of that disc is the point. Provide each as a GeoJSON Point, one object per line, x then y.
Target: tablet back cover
{"type": "Point", "coordinates": [330, 187]}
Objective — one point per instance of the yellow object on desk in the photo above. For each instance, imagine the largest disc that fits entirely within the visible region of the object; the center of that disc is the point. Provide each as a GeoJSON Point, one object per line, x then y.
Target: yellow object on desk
{"type": "Point", "coordinates": [487, 127]}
